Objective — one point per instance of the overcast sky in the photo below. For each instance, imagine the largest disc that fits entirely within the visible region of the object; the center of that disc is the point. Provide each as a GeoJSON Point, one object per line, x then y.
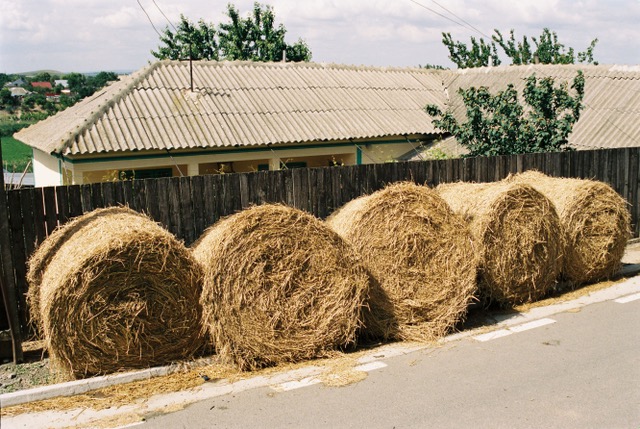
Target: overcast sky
{"type": "Point", "coordinates": [96, 35]}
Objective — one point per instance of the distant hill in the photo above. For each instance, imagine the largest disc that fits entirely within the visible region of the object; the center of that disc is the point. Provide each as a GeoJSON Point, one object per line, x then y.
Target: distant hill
{"type": "Point", "coordinates": [33, 73]}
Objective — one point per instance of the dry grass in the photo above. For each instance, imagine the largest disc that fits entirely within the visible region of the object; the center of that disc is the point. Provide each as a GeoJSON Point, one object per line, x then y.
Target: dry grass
{"type": "Point", "coordinates": [420, 254]}
{"type": "Point", "coordinates": [518, 235]}
{"type": "Point", "coordinates": [336, 371]}
{"type": "Point", "coordinates": [117, 292]}
{"type": "Point", "coordinates": [596, 222]}
{"type": "Point", "coordinates": [279, 286]}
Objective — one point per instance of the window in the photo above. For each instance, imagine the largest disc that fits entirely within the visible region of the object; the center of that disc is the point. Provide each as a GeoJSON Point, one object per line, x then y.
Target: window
{"type": "Point", "coordinates": [151, 173]}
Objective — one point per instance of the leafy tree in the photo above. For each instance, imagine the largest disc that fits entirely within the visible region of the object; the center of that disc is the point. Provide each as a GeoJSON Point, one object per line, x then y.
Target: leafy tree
{"type": "Point", "coordinates": [190, 40]}
{"type": "Point", "coordinates": [254, 38]}
{"type": "Point", "coordinates": [7, 101]}
{"type": "Point", "coordinates": [500, 125]}
{"type": "Point", "coordinates": [431, 67]}
{"type": "Point", "coordinates": [4, 78]}
{"type": "Point", "coordinates": [42, 77]}
{"type": "Point", "coordinates": [75, 81]}
{"type": "Point", "coordinates": [103, 78]}
{"type": "Point", "coordinates": [481, 53]}
{"type": "Point", "coordinates": [545, 49]}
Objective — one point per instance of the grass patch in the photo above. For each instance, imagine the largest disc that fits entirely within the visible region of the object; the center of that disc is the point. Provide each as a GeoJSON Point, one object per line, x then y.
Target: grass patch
{"type": "Point", "coordinates": [15, 155]}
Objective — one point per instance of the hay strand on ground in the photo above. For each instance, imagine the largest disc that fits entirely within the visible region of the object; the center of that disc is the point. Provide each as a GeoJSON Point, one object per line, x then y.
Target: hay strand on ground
{"type": "Point", "coordinates": [118, 292]}
{"type": "Point", "coordinates": [518, 237]}
{"type": "Point", "coordinates": [596, 222]}
{"type": "Point", "coordinates": [419, 252]}
{"type": "Point", "coordinates": [279, 286]}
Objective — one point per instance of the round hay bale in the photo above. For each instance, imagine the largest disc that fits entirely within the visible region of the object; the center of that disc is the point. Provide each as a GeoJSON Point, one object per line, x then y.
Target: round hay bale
{"type": "Point", "coordinates": [41, 257]}
{"type": "Point", "coordinates": [118, 292]}
{"type": "Point", "coordinates": [596, 222]}
{"type": "Point", "coordinates": [420, 253]}
{"type": "Point", "coordinates": [518, 236]}
{"type": "Point", "coordinates": [279, 286]}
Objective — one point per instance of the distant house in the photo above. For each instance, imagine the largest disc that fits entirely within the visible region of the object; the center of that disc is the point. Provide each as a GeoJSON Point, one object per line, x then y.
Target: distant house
{"type": "Point", "coordinates": [18, 91]}
{"type": "Point", "coordinates": [16, 83]}
{"type": "Point", "coordinates": [243, 116]}
{"type": "Point", "coordinates": [46, 85]}
{"type": "Point", "coordinates": [52, 96]}
{"type": "Point", "coordinates": [62, 82]}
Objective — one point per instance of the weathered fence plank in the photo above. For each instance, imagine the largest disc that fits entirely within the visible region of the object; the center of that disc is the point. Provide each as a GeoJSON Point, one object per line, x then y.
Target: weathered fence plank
{"type": "Point", "coordinates": [187, 206]}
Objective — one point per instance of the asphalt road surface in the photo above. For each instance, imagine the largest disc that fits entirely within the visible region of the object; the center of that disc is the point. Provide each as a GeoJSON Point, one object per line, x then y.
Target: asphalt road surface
{"type": "Point", "coordinates": [578, 369]}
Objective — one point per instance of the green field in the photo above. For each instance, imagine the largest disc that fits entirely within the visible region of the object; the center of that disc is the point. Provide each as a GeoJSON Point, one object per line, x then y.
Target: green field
{"type": "Point", "coordinates": [15, 155]}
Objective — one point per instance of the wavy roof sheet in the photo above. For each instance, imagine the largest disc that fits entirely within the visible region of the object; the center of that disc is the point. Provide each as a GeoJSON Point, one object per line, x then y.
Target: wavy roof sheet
{"type": "Point", "coordinates": [241, 104]}
{"type": "Point", "coordinates": [611, 114]}
{"type": "Point", "coordinates": [237, 104]}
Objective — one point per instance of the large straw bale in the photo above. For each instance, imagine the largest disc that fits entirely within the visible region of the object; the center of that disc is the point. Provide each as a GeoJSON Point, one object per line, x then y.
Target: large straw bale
{"type": "Point", "coordinates": [114, 291]}
{"type": "Point", "coordinates": [596, 222]}
{"type": "Point", "coordinates": [420, 253]}
{"type": "Point", "coordinates": [279, 286]}
{"type": "Point", "coordinates": [518, 235]}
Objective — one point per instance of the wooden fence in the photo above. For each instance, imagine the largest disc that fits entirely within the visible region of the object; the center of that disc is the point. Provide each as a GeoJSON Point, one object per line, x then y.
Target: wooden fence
{"type": "Point", "coordinates": [186, 206]}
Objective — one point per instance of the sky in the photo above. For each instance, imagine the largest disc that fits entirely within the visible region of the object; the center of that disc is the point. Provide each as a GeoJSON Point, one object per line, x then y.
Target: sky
{"type": "Point", "coordinates": [116, 35]}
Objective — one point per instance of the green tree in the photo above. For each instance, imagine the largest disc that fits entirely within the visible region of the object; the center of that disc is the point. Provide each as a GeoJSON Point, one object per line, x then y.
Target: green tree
{"type": "Point", "coordinates": [190, 40]}
{"type": "Point", "coordinates": [254, 38]}
{"type": "Point", "coordinates": [7, 101]}
{"type": "Point", "coordinates": [75, 81]}
{"type": "Point", "coordinates": [41, 77]}
{"type": "Point", "coordinates": [500, 125]}
{"type": "Point", "coordinates": [257, 38]}
{"type": "Point", "coordinates": [545, 49]}
{"type": "Point", "coordinates": [481, 53]}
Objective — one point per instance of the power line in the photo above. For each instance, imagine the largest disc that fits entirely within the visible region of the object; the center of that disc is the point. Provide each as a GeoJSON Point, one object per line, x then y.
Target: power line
{"type": "Point", "coordinates": [165, 16]}
{"type": "Point", "coordinates": [149, 18]}
{"type": "Point", "coordinates": [469, 25]}
{"type": "Point", "coordinates": [465, 25]}
{"type": "Point", "coordinates": [437, 13]}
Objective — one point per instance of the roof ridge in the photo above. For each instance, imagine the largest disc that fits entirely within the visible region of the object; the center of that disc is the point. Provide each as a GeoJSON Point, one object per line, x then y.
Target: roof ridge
{"type": "Point", "coordinates": [304, 64]}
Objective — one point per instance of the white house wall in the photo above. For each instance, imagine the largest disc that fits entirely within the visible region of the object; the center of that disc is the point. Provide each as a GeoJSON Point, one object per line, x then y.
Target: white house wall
{"type": "Point", "coordinates": [97, 170]}
{"type": "Point", "coordinates": [46, 169]}
{"type": "Point", "coordinates": [381, 153]}
{"type": "Point", "coordinates": [190, 165]}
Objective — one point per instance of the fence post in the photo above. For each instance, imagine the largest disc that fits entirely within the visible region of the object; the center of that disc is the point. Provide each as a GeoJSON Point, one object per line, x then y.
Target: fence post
{"type": "Point", "coordinates": [7, 279]}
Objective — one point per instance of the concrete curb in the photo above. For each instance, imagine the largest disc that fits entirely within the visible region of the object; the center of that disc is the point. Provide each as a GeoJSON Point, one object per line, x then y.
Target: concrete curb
{"type": "Point", "coordinates": [78, 387]}
{"type": "Point", "coordinates": [630, 286]}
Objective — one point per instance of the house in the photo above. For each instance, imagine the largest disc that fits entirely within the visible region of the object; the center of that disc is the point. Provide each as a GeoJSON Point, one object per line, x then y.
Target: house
{"type": "Point", "coordinates": [243, 116]}
{"type": "Point", "coordinates": [64, 83]}
{"type": "Point", "coordinates": [240, 116]}
{"type": "Point", "coordinates": [18, 91]}
{"type": "Point", "coordinates": [13, 84]}
{"type": "Point", "coordinates": [46, 85]}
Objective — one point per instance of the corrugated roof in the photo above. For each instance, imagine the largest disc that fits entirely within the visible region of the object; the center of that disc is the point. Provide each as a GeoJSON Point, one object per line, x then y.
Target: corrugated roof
{"type": "Point", "coordinates": [253, 104]}
{"type": "Point", "coordinates": [611, 114]}
{"type": "Point", "coordinates": [241, 104]}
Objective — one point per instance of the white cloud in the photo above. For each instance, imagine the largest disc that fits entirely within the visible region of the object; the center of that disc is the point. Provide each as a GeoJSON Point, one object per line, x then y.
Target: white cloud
{"type": "Point", "coordinates": [88, 35]}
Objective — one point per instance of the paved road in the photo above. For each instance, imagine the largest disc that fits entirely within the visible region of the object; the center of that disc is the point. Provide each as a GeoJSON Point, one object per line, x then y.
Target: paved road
{"type": "Point", "coordinates": [573, 370]}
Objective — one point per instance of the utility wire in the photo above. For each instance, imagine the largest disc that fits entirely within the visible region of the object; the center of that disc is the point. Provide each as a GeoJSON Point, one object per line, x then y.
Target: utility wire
{"type": "Point", "coordinates": [468, 25]}
{"type": "Point", "coordinates": [437, 13]}
{"type": "Point", "coordinates": [149, 18]}
{"type": "Point", "coordinates": [165, 16]}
